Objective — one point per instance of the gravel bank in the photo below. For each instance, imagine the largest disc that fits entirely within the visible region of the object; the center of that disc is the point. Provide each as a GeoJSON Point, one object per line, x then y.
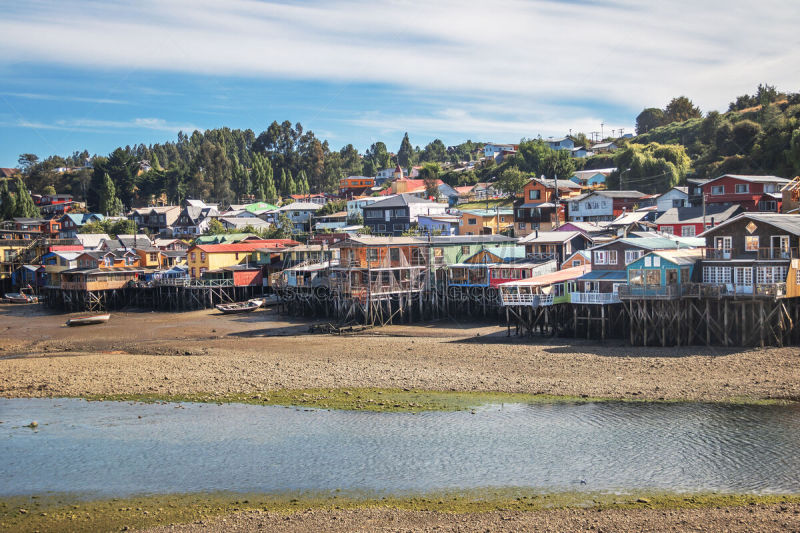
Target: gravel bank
{"type": "Point", "coordinates": [141, 353]}
{"type": "Point", "coordinates": [762, 518]}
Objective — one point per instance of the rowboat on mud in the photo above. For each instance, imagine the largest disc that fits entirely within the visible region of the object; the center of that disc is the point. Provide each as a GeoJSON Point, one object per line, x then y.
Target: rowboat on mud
{"type": "Point", "coordinates": [241, 307]}
{"type": "Point", "coordinates": [20, 298]}
{"type": "Point", "coordinates": [88, 320]}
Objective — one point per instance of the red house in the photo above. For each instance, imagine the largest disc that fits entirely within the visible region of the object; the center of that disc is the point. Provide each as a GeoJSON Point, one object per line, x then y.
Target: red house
{"type": "Point", "coordinates": [753, 193]}
{"type": "Point", "coordinates": [691, 221]}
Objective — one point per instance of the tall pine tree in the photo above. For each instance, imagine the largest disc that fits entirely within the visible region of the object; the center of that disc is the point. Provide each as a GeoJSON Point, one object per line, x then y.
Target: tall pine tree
{"type": "Point", "coordinates": [405, 154]}
{"type": "Point", "coordinates": [24, 206]}
{"type": "Point", "coordinates": [7, 202]}
{"type": "Point", "coordinates": [110, 205]}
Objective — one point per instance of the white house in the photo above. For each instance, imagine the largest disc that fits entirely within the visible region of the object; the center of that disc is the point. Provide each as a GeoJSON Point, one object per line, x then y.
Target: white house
{"type": "Point", "coordinates": [675, 197]}
{"type": "Point", "coordinates": [355, 208]}
{"type": "Point", "coordinates": [493, 149]}
{"type": "Point", "coordinates": [300, 213]}
{"type": "Point", "coordinates": [601, 205]}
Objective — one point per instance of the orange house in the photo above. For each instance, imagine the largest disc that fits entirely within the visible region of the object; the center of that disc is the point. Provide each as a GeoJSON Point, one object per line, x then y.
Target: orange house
{"type": "Point", "coordinates": [540, 190]}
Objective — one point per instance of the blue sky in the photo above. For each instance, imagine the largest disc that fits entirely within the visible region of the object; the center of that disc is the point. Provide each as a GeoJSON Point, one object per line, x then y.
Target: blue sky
{"type": "Point", "coordinates": [99, 74]}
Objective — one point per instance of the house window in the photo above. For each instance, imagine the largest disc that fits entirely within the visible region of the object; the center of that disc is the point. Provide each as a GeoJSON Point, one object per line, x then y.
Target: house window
{"type": "Point", "coordinates": [465, 250]}
{"type": "Point", "coordinates": [400, 213]}
{"type": "Point", "coordinates": [193, 272]}
{"type": "Point", "coordinates": [108, 261]}
{"type": "Point", "coordinates": [153, 257]}
{"type": "Point", "coordinates": [380, 227]}
{"type": "Point", "coordinates": [771, 274]}
{"type": "Point", "coordinates": [717, 189]}
{"type": "Point", "coordinates": [677, 203]}
{"type": "Point", "coordinates": [770, 187]}
{"type": "Point", "coordinates": [632, 255]}
{"type": "Point", "coordinates": [688, 231]}
{"type": "Point", "coordinates": [751, 243]}
{"type": "Point", "coordinates": [394, 254]}
{"type": "Point", "coordinates": [605, 257]}
{"type": "Point", "coordinates": [203, 256]}
{"type": "Point", "coordinates": [743, 276]}
{"type": "Point", "coordinates": [768, 205]}
{"type": "Point", "coordinates": [576, 262]}
{"type": "Point", "coordinates": [521, 225]}
{"type": "Point", "coordinates": [534, 194]}
{"type": "Point", "coordinates": [669, 230]}
{"type": "Point", "coordinates": [716, 274]}
{"type": "Point", "coordinates": [372, 254]}
{"type": "Point", "coordinates": [472, 221]}
{"type": "Point", "coordinates": [653, 277]}
{"type": "Point", "coordinates": [742, 188]}
{"type": "Point", "coordinates": [374, 213]}
{"type": "Point", "coordinates": [502, 219]}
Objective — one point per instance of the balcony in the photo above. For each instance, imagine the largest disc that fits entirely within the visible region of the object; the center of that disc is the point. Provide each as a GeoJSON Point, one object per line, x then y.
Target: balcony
{"type": "Point", "coordinates": [773, 253]}
{"type": "Point", "coordinates": [594, 298]}
{"type": "Point", "coordinates": [510, 297]}
{"type": "Point", "coordinates": [542, 256]}
{"type": "Point", "coordinates": [730, 290]}
{"type": "Point", "coordinates": [649, 292]}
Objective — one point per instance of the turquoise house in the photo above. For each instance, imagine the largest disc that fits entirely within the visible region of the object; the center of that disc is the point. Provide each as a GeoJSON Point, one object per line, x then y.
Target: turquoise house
{"type": "Point", "coordinates": [660, 273]}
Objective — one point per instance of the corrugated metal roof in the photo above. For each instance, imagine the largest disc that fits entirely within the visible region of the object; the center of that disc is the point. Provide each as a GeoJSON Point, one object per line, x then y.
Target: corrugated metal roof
{"type": "Point", "coordinates": [553, 277]}
{"type": "Point", "coordinates": [605, 275]}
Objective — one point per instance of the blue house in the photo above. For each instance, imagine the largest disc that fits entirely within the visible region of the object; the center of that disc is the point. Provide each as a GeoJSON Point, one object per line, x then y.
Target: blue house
{"type": "Point", "coordinates": [438, 224]}
{"type": "Point", "coordinates": [562, 143]}
{"type": "Point", "coordinates": [660, 273]}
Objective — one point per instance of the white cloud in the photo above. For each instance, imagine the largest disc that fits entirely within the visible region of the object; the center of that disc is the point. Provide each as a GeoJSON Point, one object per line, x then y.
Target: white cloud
{"type": "Point", "coordinates": [60, 98]}
{"type": "Point", "coordinates": [96, 125]}
{"type": "Point", "coordinates": [628, 53]}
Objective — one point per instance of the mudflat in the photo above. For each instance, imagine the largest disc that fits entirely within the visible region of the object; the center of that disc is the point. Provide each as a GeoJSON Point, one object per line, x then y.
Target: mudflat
{"type": "Point", "coordinates": [206, 352]}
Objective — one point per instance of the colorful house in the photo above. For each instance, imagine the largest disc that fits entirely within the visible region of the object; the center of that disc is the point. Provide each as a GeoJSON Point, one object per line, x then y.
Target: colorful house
{"type": "Point", "coordinates": [544, 290]}
{"type": "Point", "coordinates": [691, 221]}
{"type": "Point", "coordinates": [202, 258]}
{"type": "Point", "coordinates": [660, 274]}
{"type": "Point", "coordinates": [486, 221]}
{"type": "Point", "coordinates": [753, 193]}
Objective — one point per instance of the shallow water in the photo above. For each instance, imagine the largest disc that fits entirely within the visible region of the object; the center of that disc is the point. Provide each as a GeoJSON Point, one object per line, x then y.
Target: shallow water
{"type": "Point", "coordinates": [120, 448]}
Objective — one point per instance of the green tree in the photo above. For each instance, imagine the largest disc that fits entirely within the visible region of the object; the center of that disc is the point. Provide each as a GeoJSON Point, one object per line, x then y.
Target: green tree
{"type": "Point", "coordinates": [8, 205]}
{"type": "Point", "coordinates": [648, 119]}
{"type": "Point", "coordinates": [215, 227]}
{"type": "Point", "coordinates": [110, 205]}
{"type": "Point", "coordinates": [281, 229]}
{"type": "Point", "coordinates": [430, 176]}
{"type": "Point", "coordinates": [351, 161]}
{"type": "Point", "coordinates": [558, 163]}
{"type": "Point", "coordinates": [434, 151]}
{"type": "Point", "coordinates": [405, 155]}
{"type": "Point", "coordinates": [680, 109]}
{"type": "Point", "coordinates": [511, 181]}
{"type": "Point", "coordinates": [50, 190]}
{"type": "Point", "coordinates": [379, 155]}
{"type": "Point", "coordinates": [649, 168]}
{"type": "Point", "coordinates": [24, 206]}
{"type": "Point", "coordinates": [26, 162]}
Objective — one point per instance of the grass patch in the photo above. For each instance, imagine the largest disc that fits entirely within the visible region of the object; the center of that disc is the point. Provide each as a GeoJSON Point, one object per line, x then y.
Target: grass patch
{"type": "Point", "coordinates": [358, 399]}
{"type": "Point", "coordinates": [390, 400]}
{"type": "Point", "coordinates": [61, 513]}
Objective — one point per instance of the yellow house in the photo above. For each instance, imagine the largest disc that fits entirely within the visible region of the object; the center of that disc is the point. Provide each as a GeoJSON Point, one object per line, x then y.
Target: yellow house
{"type": "Point", "coordinates": [9, 248]}
{"type": "Point", "coordinates": [150, 257]}
{"type": "Point", "coordinates": [204, 257]}
{"type": "Point", "coordinates": [485, 221]}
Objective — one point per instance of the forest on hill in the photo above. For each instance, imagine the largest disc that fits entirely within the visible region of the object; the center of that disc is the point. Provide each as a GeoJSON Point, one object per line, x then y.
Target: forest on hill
{"type": "Point", "coordinates": [759, 134]}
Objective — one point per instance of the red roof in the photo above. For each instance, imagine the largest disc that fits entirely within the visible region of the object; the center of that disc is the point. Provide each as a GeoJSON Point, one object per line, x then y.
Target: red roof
{"type": "Point", "coordinates": [67, 248]}
{"type": "Point", "coordinates": [247, 246]}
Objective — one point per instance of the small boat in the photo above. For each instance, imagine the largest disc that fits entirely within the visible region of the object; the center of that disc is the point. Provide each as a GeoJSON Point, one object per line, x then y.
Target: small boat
{"type": "Point", "coordinates": [241, 307]}
{"type": "Point", "coordinates": [88, 320]}
{"type": "Point", "coordinates": [20, 298]}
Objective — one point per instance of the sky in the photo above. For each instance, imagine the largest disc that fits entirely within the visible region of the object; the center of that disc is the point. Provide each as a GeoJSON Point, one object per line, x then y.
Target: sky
{"type": "Point", "coordinates": [95, 75]}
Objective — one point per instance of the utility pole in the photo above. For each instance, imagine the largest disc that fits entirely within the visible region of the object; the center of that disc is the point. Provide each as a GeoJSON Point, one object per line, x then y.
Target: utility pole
{"type": "Point", "coordinates": [556, 201]}
{"type": "Point", "coordinates": [601, 131]}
